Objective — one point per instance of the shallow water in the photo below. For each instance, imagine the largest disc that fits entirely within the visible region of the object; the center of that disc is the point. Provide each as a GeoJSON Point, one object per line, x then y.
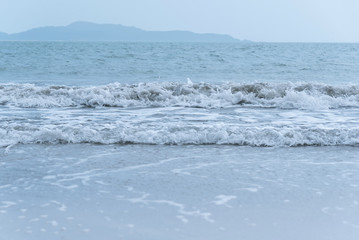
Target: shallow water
{"type": "Point", "coordinates": [182, 192]}
{"type": "Point", "coordinates": [285, 114]}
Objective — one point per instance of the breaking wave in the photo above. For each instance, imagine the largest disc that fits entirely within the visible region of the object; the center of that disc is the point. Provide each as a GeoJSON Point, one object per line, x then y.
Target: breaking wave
{"type": "Point", "coordinates": [163, 94]}
{"type": "Point", "coordinates": [172, 134]}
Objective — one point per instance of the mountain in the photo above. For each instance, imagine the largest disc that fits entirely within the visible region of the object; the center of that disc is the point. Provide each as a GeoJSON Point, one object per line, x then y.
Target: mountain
{"type": "Point", "coordinates": [85, 31]}
{"type": "Point", "coordinates": [3, 35]}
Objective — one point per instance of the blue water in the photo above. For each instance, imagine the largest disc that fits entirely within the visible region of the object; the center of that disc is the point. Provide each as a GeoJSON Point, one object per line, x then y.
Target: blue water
{"type": "Point", "coordinates": [256, 94]}
{"type": "Point", "coordinates": [83, 63]}
{"type": "Point", "coordinates": [179, 140]}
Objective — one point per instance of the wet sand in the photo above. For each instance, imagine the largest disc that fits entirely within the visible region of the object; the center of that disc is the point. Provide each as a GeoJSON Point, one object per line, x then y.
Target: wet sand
{"type": "Point", "coordinates": [84, 191]}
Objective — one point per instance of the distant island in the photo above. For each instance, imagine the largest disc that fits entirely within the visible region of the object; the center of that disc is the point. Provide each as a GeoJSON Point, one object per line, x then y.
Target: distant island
{"type": "Point", "coordinates": [86, 31]}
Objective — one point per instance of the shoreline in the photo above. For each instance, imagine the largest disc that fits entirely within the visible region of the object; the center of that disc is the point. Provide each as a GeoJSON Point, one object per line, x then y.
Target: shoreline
{"type": "Point", "coordinates": [178, 192]}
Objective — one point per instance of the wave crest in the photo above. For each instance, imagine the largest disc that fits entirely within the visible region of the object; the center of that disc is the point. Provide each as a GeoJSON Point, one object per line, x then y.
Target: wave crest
{"type": "Point", "coordinates": [163, 94]}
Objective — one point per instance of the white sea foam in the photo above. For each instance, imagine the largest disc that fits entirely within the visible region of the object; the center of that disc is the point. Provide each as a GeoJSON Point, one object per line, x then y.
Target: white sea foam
{"type": "Point", "coordinates": [258, 114]}
{"type": "Point", "coordinates": [164, 94]}
{"type": "Point", "coordinates": [171, 133]}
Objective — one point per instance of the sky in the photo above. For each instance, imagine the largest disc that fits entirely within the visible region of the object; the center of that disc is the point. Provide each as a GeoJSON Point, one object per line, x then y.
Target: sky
{"type": "Point", "coordinates": [256, 20]}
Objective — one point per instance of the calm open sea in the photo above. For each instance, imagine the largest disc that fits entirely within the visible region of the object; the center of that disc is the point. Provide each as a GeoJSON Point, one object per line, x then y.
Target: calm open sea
{"type": "Point", "coordinates": [179, 140]}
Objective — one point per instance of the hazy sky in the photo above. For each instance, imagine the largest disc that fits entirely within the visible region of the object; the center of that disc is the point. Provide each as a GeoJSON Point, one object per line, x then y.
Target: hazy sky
{"type": "Point", "coordinates": [258, 20]}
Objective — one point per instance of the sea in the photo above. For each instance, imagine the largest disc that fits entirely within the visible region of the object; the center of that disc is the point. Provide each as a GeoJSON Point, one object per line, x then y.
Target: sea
{"type": "Point", "coordinates": [113, 140]}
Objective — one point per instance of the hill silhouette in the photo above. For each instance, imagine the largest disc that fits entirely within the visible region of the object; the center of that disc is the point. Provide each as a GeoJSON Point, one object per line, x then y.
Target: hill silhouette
{"type": "Point", "coordinates": [86, 31]}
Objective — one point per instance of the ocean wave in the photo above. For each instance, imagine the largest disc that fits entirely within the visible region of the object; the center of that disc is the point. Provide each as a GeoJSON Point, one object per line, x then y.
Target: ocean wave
{"type": "Point", "coordinates": [172, 134]}
{"type": "Point", "coordinates": [163, 94]}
